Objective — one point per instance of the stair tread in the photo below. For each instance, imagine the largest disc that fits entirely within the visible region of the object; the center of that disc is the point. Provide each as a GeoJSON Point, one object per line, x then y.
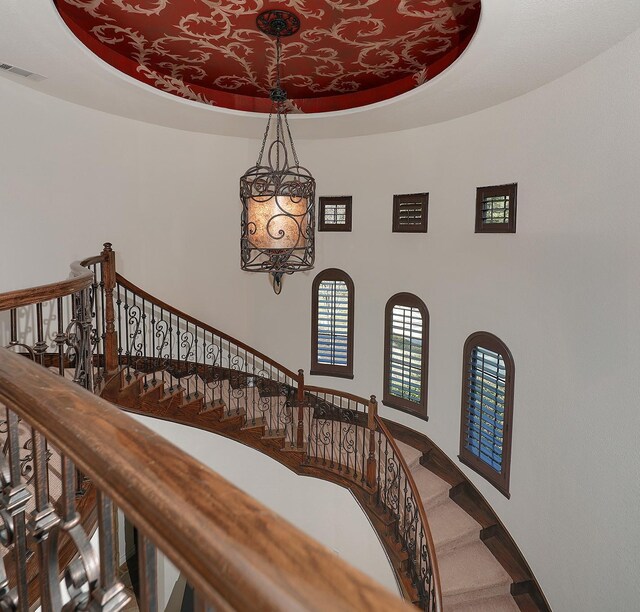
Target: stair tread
{"type": "Point", "coordinates": [433, 490]}
{"type": "Point", "coordinates": [411, 455]}
{"type": "Point", "coordinates": [472, 571]}
{"type": "Point", "coordinates": [503, 603]}
{"type": "Point", "coordinates": [452, 527]}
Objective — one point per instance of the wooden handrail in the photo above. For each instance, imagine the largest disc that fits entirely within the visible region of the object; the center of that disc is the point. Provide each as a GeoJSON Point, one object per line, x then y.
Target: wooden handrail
{"type": "Point", "coordinates": [234, 551]}
{"type": "Point", "coordinates": [245, 347]}
{"type": "Point", "coordinates": [79, 278]}
{"type": "Point", "coordinates": [350, 396]}
{"type": "Point", "coordinates": [423, 517]}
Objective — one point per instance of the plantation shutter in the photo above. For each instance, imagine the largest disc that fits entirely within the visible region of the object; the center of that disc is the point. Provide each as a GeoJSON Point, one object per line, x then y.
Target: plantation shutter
{"type": "Point", "coordinates": [405, 355]}
{"type": "Point", "coordinates": [485, 414]}
{"type": "Point", "coordinates": [333, 323]}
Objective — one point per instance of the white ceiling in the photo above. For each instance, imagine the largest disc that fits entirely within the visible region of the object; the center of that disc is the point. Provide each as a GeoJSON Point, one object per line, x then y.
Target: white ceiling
{"type": "Point", "coordinates": [519, 45]}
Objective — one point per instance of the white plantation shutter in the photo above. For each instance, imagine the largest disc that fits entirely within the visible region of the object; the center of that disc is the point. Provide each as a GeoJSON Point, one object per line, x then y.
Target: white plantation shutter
{"type": "Point", "coordinates": [485, 415]}
{"type": "Point", "coordinates": [333, 323]}
{"type": "Point", "coordinates": [405, 354]}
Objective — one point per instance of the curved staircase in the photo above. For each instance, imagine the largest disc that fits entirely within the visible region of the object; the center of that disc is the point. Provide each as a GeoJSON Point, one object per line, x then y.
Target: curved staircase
{"type": "Point", "coordinates": [150, 358]}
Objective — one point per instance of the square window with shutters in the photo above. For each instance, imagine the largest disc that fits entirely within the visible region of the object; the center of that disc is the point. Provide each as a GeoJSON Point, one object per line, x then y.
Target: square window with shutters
{"type": "Point", "coordinates": [334, 214]}
{"type": "Point", "coordinates": [496, 209]}
{"type": "Point", "coordinates": [410, 213]}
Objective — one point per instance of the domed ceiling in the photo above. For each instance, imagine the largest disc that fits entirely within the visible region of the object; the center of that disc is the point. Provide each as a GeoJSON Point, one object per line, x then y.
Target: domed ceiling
{"type": "Point", "coordinates": [347, 53]}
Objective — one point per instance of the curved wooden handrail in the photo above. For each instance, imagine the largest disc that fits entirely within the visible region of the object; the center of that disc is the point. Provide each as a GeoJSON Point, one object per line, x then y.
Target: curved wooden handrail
{"type": "Point", "coordinates": [234, 551]}
{"type": "Point", "coordinates": [350, 396]}
{"type": "Point", "coordinates": [245, 347]}
{"type": "Point", "coordinates": [423, 516]}
{"type": "Point", "coordinates": [79, 278]}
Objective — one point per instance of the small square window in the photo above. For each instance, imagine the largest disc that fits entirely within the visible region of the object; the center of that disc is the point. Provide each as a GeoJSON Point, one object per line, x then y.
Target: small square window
{"type": "Point", "coordinates": [496, 209]}
{"type": "Point", "coordinates": [335, 214]}
{"type": "Point", "coordinates": [410, 212]}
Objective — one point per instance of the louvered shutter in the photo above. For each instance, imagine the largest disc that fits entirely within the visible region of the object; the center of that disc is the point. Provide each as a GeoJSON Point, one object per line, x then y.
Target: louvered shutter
{"type": "Point", "coordinates": [333, 323]}
{"type": "Point", "coordinates": [485, 413]}
{"type": "Point", "coordinates": [405, 354]}
{"type": "Point", "coordinates": [410, 212]}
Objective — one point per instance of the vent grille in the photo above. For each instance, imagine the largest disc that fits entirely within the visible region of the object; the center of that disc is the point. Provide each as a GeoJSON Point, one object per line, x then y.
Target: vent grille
{"type": "Point", "coordinates": [21, 72]}
{"type": "Point", "coordinates": [410, 212]}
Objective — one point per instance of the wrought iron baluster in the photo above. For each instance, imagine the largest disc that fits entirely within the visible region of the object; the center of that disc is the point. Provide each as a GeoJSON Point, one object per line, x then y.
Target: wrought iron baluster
{"type": "Point", "coordinates": [147, 570]}
{"type": "Point", "coordinates": [14, 500]}
{"type": "Point", "coordinates": [145, 351]}
{"type": "Point", "coordinates": [171, 358]}
{"type": "Point", "coordinates": [103, 335]}
{"type": "Point", "coordinates": [126, 322]}
{"type": "Point", "coordinates": [196, 368]}
{"type": "Point", "coordinates": [40, 346]}
{"type": "Point", "coordinates": [111, 594]}
{"type": "Point", "coordinates": [60, 336]}
{"type": "Point", "coordinates": [152, 333]}
{"type": "Point", "coordinates": [44, 527]}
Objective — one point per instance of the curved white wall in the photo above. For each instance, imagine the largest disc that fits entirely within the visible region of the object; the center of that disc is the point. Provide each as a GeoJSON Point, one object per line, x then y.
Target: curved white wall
{"type": "Point", "coordinates": [563, 292]}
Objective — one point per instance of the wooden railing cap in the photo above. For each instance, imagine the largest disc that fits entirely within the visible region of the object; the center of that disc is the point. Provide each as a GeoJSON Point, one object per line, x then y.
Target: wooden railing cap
{"type": "Point", "coordinates": [229, 547]}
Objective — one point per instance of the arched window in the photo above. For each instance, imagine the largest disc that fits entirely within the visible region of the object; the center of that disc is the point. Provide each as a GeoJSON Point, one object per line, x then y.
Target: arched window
{"type": "Point", "coordinates": [406, 341]}
{"type": "Point", "coordinates": [332, 324]}
{"type": "Point", "coordinates": [487, 408]}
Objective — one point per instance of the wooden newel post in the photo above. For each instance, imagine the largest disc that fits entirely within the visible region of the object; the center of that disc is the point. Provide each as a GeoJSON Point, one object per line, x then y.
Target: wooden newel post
{"type": "Point", "coordinates": [109, 280]}
{"type": "Point", "coordinates": [300, 398]}
{"type": "Point", "coordinates": [371, 425]}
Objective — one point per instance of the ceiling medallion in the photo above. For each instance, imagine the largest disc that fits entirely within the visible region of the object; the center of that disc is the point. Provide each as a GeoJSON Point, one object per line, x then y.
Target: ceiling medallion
{"type": "Point", "coordinates": [278, 194]}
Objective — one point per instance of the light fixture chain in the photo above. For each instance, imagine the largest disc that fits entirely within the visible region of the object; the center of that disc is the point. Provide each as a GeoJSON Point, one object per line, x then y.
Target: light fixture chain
{"type": "Point", "coordinates": [264, 139]}
{"type": "Point", "coordinates": [293, 146]}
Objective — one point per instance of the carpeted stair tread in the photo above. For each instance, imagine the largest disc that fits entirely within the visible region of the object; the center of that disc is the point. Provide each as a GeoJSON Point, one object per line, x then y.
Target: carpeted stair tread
{"type": "Point", "coordinates": [433, 490]}
{"type": "Point", "coordinates": [411, 455]}
{"type": "Point", "coordinates": [504, 603]}
{"type": "Point", "coordinates": [471, 574]}
{"type": "Point", "coordinates": [451, 527]}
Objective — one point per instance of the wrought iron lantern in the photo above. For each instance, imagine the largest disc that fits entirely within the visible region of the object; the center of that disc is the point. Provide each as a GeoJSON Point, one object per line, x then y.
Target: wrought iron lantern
{"type": "Point", "coordinates": [278, 194]}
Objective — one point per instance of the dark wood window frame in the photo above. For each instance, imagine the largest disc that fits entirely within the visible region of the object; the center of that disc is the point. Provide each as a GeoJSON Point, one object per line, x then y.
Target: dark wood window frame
{"type": "Point", "coordinates": [324, 201]}
{"type": "Point", "coordinates": [418, 409]}
{"type": "Point", "coordinates": [500, 480]}
{"type": "Point", "coordinates": [411, 198]}
{"type": "Point", "coordinates": [323, 369]}
{"type": "Point", "coordinates": [511, 191]}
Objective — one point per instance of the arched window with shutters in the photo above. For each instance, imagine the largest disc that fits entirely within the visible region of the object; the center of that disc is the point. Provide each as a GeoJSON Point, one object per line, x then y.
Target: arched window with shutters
{"type": "Point", "coordinates": [332, 324]}
{"type": "Point", "coordinates": [488, 374]}
{"type": "Point", "coordinates": [406, 344]}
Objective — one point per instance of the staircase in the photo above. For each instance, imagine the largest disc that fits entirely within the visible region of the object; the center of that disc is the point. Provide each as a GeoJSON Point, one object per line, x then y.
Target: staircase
{"type": "Point", "coordinates": [472, 579]}
{"type": "Point", "coordinates": [152, 359]}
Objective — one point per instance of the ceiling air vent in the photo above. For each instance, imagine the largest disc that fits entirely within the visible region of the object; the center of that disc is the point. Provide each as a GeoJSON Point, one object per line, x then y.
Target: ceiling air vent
{"type": "Point", "coordinates": [21, 72]}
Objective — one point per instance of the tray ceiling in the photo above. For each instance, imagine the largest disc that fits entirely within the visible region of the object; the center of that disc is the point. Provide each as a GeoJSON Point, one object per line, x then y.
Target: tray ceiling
{"type": "Point", "coordinates": [347, 54]}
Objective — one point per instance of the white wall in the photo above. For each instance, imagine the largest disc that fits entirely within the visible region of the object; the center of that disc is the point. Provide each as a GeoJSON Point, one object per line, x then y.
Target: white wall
{"type": "Point", "coordinates": [72, 178]}
{"type": "Point", "coordinates": [563, 293]}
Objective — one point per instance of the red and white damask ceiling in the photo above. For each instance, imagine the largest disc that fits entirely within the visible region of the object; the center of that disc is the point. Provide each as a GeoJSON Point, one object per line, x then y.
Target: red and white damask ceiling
{"type": "Point", "coordinates": [348, 53]}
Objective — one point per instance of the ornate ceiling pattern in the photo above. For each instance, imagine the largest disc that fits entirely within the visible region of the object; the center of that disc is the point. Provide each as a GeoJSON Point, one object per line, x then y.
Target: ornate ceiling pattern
{"type": "Point", "coordinates": [348, 53]}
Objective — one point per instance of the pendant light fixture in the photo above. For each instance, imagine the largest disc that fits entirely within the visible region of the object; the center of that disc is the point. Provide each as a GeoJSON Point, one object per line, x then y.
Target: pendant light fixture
{"type": "Point", "coordinates": [278, 194]}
